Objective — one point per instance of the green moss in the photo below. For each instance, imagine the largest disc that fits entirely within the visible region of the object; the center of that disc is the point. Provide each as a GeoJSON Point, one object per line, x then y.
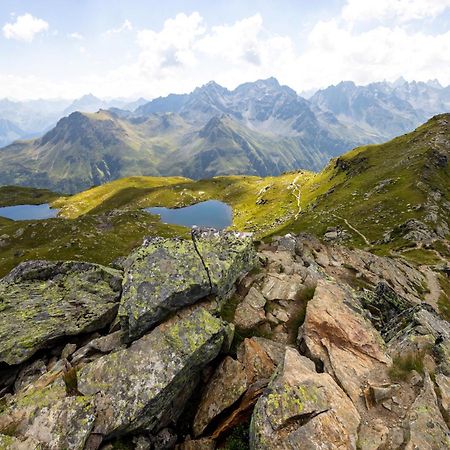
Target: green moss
{"type": "Point", "coordinates": [238, 439]}
{"type": "Point", "coordinates": [229, 308]}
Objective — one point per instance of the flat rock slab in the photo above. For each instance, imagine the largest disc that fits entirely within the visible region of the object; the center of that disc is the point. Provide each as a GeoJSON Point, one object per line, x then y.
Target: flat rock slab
{"type": "Point", "coordinates": [42, 301]}
{"type": "Point", "coordinates": [166, 274]}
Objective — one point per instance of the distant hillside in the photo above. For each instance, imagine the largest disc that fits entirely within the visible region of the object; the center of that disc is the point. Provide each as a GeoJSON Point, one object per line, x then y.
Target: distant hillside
{"type": "Point", "coordinates": [260, 128]}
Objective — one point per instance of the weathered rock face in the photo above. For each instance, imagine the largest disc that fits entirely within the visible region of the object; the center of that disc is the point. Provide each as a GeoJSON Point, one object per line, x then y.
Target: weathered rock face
{"type": "Point", "coordinates": [367, 341]}
{"type": "Point", "coordinates": [136, 388]}
{"type": "Point", "coordinates": [303, 407]}
{"type": "Point", "coordinates": [343, 340]}
{"type": "Point", "coordinates": [229, 382]}
{"type": "Point", "coordinates": [427, 429]}
{"type": "Point", "coordinates": [144, 386]}
{"type": "Point", "coordinates": [167, 274]}
{"type": "Point", "coordinates": [250, 312]}
{"type": "Point", "coordinates": [48, 418]}
{"type": "Point", "coordinates": [41, 301]}
{"type": "Point", "coordinates": [361, 267]}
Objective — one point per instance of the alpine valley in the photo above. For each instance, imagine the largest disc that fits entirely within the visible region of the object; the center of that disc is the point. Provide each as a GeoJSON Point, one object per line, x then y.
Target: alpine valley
{"type": "Point", "coordinates": [318, 320]}
{"type": "Point", "coordinates": [260, 128]}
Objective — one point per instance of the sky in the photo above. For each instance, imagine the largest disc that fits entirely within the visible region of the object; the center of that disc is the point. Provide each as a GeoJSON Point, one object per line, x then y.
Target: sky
{"type": "Point", "coordinates": [136, 48]}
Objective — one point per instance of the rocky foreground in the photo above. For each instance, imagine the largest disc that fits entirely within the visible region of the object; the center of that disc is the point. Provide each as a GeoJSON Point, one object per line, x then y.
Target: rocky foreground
{"type": "Point", "coordinates": [301, 345]}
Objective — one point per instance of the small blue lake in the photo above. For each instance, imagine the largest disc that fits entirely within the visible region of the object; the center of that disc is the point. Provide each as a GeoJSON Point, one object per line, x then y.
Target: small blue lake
{"type": "Point", "coordinates": [28, 212]}
{"type": "Point", "coordinates": [211, 213]}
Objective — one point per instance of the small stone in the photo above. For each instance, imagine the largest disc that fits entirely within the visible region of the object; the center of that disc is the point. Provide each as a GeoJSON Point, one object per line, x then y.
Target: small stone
{"type": "Point", "coordinates": [164, 440]}
{"type": "Point", "coordinates": [68, 350]}
{"type": "Point", "coordinates": [142, 443]}
{"type": "Point", "coordinates": [388, 405]}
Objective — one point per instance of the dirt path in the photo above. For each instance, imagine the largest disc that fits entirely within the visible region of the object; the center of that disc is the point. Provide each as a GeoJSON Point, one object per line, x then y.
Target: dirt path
{"type": "Point", "coordinates": [354, 229]}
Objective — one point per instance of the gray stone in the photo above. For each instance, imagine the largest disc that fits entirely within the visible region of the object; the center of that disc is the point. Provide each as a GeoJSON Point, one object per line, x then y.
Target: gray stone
{"type": "Point", "coordinates": [41, 301]}
{"type": "Point", "coordinates": [29, 373]}
{"type": "Point", "coordinates": [167, 274]}
{"type": "Point", "coordinates": [136, 388]}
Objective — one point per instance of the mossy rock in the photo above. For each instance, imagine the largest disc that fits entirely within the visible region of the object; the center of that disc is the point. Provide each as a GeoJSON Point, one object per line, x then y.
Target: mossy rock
{"type": "Point", "coordinates": [42, 301]}
{"type": "Point", "coordinates": [166, 274]}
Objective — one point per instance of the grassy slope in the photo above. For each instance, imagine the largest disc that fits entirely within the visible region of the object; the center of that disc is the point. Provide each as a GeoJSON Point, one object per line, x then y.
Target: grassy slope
{"type": "Point", "coordinates": [355, 193]}
{"type": "Point", "coordinates": [15, 195]}
{"type": "Point", "coordinates": [240, 192]}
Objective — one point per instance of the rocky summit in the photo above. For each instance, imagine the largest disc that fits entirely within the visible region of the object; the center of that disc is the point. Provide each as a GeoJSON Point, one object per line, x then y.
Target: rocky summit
{"type": "Point", "coordinates": [209, 342]}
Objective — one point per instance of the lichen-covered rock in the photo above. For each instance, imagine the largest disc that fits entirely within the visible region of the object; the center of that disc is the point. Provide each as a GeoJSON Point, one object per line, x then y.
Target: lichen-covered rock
{"type": "Point", "coordinates": [166, 274]}
{"type": "Point", "coordinates": [427, 428]}
{"type": "Point", "coordinates": [373, 435]}
{"type": "Point", "coordinates": [41, 301]}
{"type": "Point", "coordinates": [137, 387]}
{"type": "Point", "coordinates": [303, 409]}
{"type": "Point", "coordinates": [443, 384]}
{"type": "Point", "coordinates": [335, 333]}
{"type": "Point", "coordinates": [47, 417]}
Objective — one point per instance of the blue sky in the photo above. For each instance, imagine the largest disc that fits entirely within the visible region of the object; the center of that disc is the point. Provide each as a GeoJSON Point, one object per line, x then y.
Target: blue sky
{"type": "Point", "coordinates": [61, 48]}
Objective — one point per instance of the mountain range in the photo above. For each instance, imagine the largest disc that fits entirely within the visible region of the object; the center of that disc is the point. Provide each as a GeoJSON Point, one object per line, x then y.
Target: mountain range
{"type": "Point", "coordinates": [260, 128]}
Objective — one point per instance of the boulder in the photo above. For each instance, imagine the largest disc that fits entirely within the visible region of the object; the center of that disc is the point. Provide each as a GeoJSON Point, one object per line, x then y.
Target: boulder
{"type": "Point", "coordinates": [43, 301]}
{"type": "Point", "coordinates": [166, 274]}
{"type": "Point", "coordinates": [12, 443]}
{"type": "Point", "coordinates": [347, 344]}
{"type": "Point", "coordinates": [303, 406]}
{"type": "Point", "coordinates": [29, 373]}
{"type": "Point", "coordinates": [443, 384]}
{"type": "Point", "coordinates": [373, 435]}
{"type": "Point", "coordinates": [47, 417]}
{"type": "Point", "coordinates": [146, 385]}
{"type": "Point", "coordinates": [260, 357]}
{"type": "Point", "coordinates": [225, 388]}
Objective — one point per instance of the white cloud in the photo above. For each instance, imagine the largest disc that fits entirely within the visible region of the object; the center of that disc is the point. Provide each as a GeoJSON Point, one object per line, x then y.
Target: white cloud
{"type": "Point", "coordinates": [77, 36]}
{"type": "Point", "coordinates": [126, 26]}
{"type": "Point", "coordinates": [401, 10]}
{"type": "Point", "coordinates": [24, 28]}
{"type": "Point", "coordinates": [172, 46]}
{"type": "Point", "coordinates": [185, 52]}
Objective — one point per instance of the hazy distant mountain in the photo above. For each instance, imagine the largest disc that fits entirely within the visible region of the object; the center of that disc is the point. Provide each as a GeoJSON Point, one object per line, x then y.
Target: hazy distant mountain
{"type": "Point", "coordinates": [33, 118]}
{"type": "Point", "coordinates": [9, 132]}
{"type": "Point", "coordinates": [384, 109]}
{"type": "Point", "coordinates": [259, 128]}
